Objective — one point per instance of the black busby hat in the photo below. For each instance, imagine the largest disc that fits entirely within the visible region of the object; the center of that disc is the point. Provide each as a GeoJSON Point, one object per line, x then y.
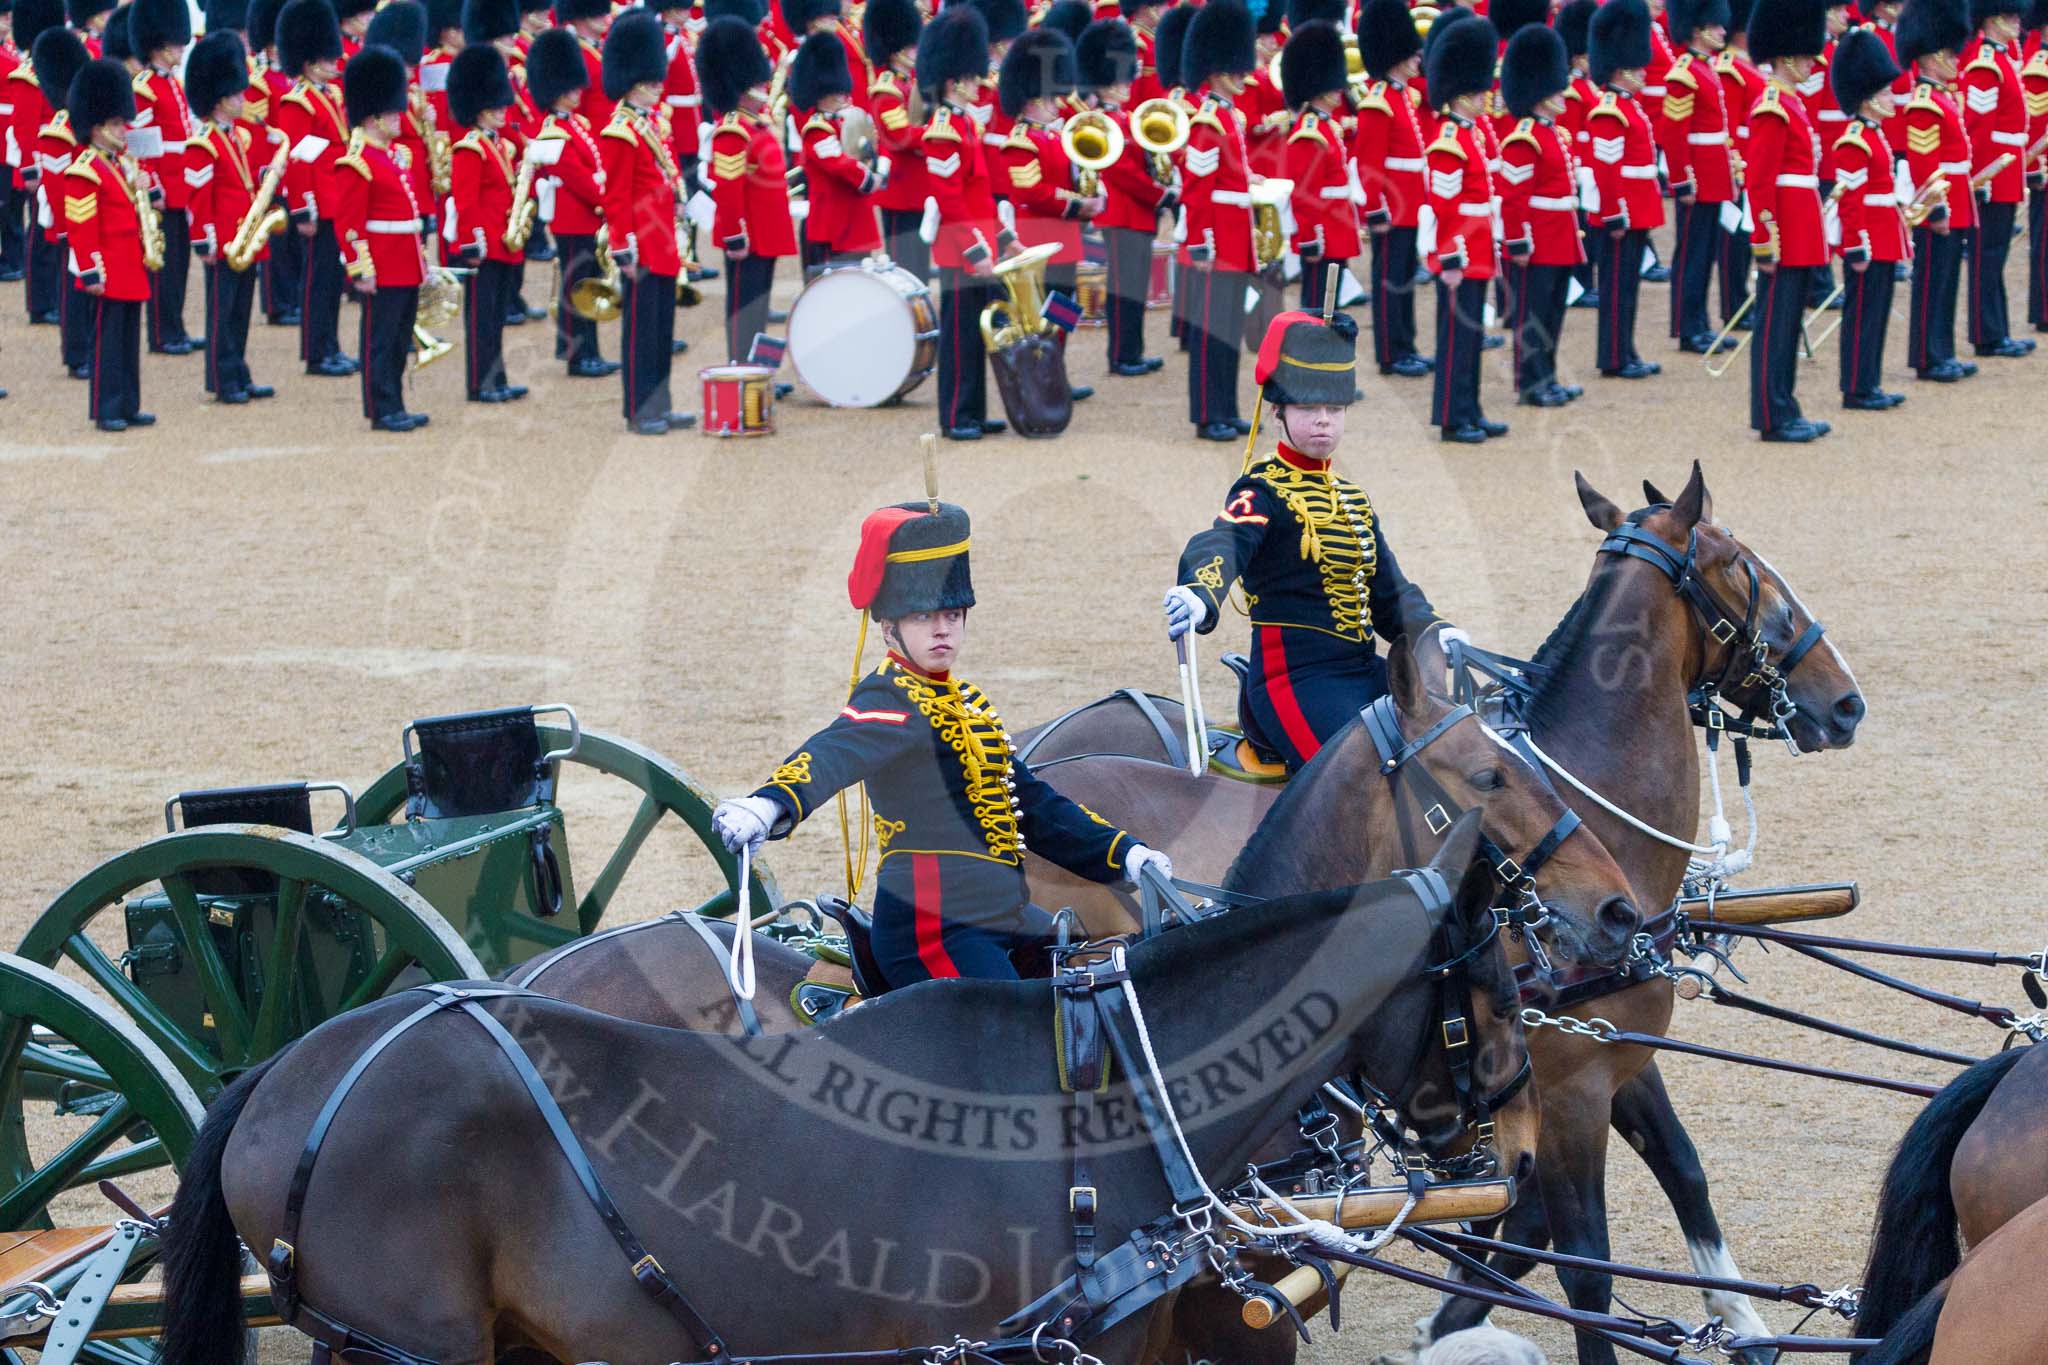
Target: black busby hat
{"type": "Point", "coordinates": [1312, 63]}
{"type": "Point", "coordinates": [477, 80]}
{"type": "Point", "coordinates": [114, 37]}
{"type": "Point", "coordinates": [217, 68]}
{"type": "Point", "coordinates": [889, 26]}
{"type": "Point", "coordinates": [1929, 26]}
{"type": "Point", "coordinates": [1460, 56]}
{"type": "Point", "coordinates": [1794, 28]}
{"type": "Point", "coordinates": [402, 27]}
{"type": "Point", "coordinates": [157, 23]}
{"type": "Point", "coordinates": [101, 92]}
{"type": "Point", "coordinates": [1861, 67]}
{"type": "Point", "coordinates": [1534, 68]}
{"type": "Point", "coordinates": [263, 23]}
{"type": "Point", "coordinates": [442, 15]}
{"type": "Point", "coordinates": [1574, 25]}
{"type": "Point", "coordinates": [819, 69]}
{"type": "Point", "coordinates": [485, 21]}
{"type": "Point", "coordinates": [554, 67]}
{"type": "Point", "coordinates": [220, 14]}
{"type": "Point", "coordinates": [1106, 55]}
{"type": "Point", "coordinates": [1512, 16]}
{"type": "Point", "coordinates": [1039, 64]}
{"type": "Point", "coordinates": [79, 13]}
{"type": "Point", "coordinates": [307, 31]}
{"type": "Point", "coordinates": [374, 83]}
{"type": "Point", "coordinates": [1129, 8]}
{"type": "Point", "coordinates": [1687, 17]}
{"type": "Point", "coordinates": [568, 11]}
{"type": "Point", "coordinates": [753, 11]}
{"type": "Point", "coordinates": [1305, 360]}
{"type": "Point", "coordinates": [953, 47]}
{"type": "Point", "coordinates": [800, 14]}
{"type": "Point", "coordinates": [33, 18]}
{"type": "Point", "coordinates": [1006, 19]}
{"type": "Point", "coordinates": [536, 7]}
{"type": "Point", "coordinates": [1982, 10]}
{"type": "Point", "coordinates": [1620, 39]}
{"type": "Point", "coordinates": [1386, 36]}
{"type": "Point", "coordinates": [1738, 15]}
{"type": "Point", "coordinates": [636, 50]}
{"type": "Point", "coordinates": [912, 558]}
{"type": "Point", "coordinates": [56, 57]}
{"type": "Point", "coordinates": [1169, 40]}
{"type": "Point", "coordinates": [730, 62]}
{"type": "Point", "coordinates": [1070, 17]}
{"type": "Point", "coordinates": [1301, 12]}
{"type": "Point", "coordinates": [1221, 41]}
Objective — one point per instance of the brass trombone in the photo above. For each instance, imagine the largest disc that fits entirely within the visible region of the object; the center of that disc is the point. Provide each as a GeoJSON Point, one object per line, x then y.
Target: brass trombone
{"type": "Point", "coordinates": [1728, 358]}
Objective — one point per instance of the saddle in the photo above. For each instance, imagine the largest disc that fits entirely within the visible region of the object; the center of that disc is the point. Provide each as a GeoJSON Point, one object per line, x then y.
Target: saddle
{"type": "Point", "coordinates": [1253, 757]}
{"type": "Point", "coordinates": [482, 763]}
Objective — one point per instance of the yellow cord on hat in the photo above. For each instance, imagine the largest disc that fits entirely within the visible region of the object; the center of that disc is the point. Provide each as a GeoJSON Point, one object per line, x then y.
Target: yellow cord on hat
{"type": "Point", "coordinates": [856, 871]}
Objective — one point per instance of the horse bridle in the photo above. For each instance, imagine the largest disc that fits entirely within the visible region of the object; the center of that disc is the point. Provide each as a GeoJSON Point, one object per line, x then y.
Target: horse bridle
{"type": "Point", "coordinates": [1747, 650]}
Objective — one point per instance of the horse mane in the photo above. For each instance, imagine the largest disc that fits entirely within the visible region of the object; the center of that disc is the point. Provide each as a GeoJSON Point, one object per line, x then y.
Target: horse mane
{"type": "Point", "coordinates": [1268, 852]}
{"type": "Point", "coordinates": [1559, 654]}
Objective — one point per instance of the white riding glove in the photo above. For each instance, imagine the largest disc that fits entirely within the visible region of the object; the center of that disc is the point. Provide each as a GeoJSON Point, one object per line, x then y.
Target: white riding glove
{"type": "Point", "coordinates": [1450, 635]}
{"type": "Point", "coordinates": [744, 822]}
{"type": "Point", "coordinates": [1140, 857]}
{"type": "Point", "coordinates": [1185, 611]}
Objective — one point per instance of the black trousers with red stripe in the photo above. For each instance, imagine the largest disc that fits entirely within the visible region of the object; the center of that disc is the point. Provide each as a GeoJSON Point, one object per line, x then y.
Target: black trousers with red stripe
{"type": "Point", "coordinates": [2037, 260]}
{"type": "Point", "coordinates": [747, 284]}
{"type": "Point", "coordinates": [116, 389]}
{"type": "Point", "coordinates": [963, 359]}
{"type": "Point", "coordinates": [1306, 686]}
{"type": "Point", "coordinates": [1128, 280]}
{"type": "Point", "coordinates": [387, 319]}
{"type": "Point", "coordinates": [320, 301]}
{"type": "Point", "coordinates": [46, 274]}
{"type": "Point", "coordinates": [230, 296]}
{"type": "Point", "coordinates": [167, 286]}
{"type": "Point", "coordinates": [948, 915]}
{"type": "Point", "coordinates": [1393, 295]}
{"type": "Point", "coordinates": [575, 259]}
{"type": "Point", "coordinates": [1537, 294]}
{"type": "Point", "coordinates": [1774, 351]}
{"type": "Point", "coordinates": [899, 238]}
{"type": "Point", "coordinates": [1215, 326]}
{"type": "Point", "coordinates": [1931, 328]}
{"type": "Point", "coordinates": [284, 276]}
{"type": "Point", "coordinates": [486, 301]}
{"type": "Point", "coordinates": [647, 343]}
{"type": "Point", "coordinates": [13, 237]}
{"type": "Point", "coordinates": [1866, 311]}
{"type": "Point", "coordinates": [1990, 324]}
{"type": "Point", "coordinates": [1699, 247]}
{"type": "Point", "coordinates": [75, 318]}
{"type": "Point", "coordinates": [1621, 288]}
{"type": "Point", "coordinates": [1460, 330]}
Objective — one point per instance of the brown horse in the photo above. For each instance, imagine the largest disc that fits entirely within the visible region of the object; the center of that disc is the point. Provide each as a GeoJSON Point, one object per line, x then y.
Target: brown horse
{"type": "Point", "coordinates": [1987, 1312]}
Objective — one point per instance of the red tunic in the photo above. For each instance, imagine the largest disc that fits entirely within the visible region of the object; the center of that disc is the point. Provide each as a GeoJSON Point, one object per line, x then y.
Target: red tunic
{"type": "Point", "coordinates": [1539, 194]}
{"type": "Point", "coordinates": [1325, 214]}
{"type": "Point", "coordinates": [1784, 181]}
{"type": "Point", "coordinates": [1460, 194]}
{"type": "Point", "coordinates": [577, 176]}
{"type": "Point", "coordinates": [842, 217]}
{"type": "Point", "coordinates": [1698, 147]}
{"type": "Point", "coordinates": [1624, 163]}
{"type": "Point", "coordinates": [1132, 195]}
{"type": "Point", "coordinates": [1873, 220]}
{"type": "Point", "coordinates": [2034, 84]}
{"type": "Point", "coordinates": [436, 88]}
{"type": "Point", "coordinates": [1650, 99]}
{"type": "Point", "coordinates": [1937, 144]}
{"type": "Point", "coordinates": [1995, 113]}
{"type": "Point", "coordinates": [1818, 94]}
{"type": "Point", "coordinates": [102, 226]}
{"type": "Point", "coordinates": [1145, 83]}
{"type": "Point", "coordinates": [221, 179]}
{"type": "Point", "coordinates": [160, 104]}
{"type": "Point", "coordinates": [1266, 125]}
{"type": "Point", "coordinates": [957, 173]}
{"type": "Point", "coordinates": [641, 189]}
{"type": "Point", "coordinates": [479, 208]}
{"type": "Point", "coordinates": [1215, 167]}
{"type": "Point", "coordinates": [1033, 173]}
{"type": "Point", "coordinates": [1388, 150]}
{"type": "Point", "coordinates": [897, 137]}
{"type": "Point", "coordinates": [30, 111]}
{"type": "Point", "coordinates": [310, 116]}
{"type": "Point", "coordinates": [54, 149]}
{"type": "Point", "coordinates": [595, 108]}
{"type": "Point", "coordinates": [750, 183]}
{"type": "Point", "coordinates": [377, 217]}
{"type": "Point", "coordinates": [680, 96]}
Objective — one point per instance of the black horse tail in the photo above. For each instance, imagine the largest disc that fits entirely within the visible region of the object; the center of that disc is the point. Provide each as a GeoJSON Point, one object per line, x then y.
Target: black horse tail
{"type": "Point", "coordinates": [1914, 1245]}
{"type": "Point", "coordinates": [1911, 1340]}
{"type": "Point", "coordinates": [202, 1255]}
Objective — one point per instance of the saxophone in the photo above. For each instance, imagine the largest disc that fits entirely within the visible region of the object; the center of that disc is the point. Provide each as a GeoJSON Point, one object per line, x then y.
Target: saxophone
{"type": "Point", "coordinates": [440, 161]}
{"type": "Point", "coordinates": [149, 222]}
{"type": "Point", "coordinates": [261, 222]}
{"type": "Point", "coordinates": [525, 208]}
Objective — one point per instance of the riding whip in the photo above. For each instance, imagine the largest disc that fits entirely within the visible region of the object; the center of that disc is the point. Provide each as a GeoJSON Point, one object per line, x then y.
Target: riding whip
{"type": "Point", "coordinates": [1191, 705]}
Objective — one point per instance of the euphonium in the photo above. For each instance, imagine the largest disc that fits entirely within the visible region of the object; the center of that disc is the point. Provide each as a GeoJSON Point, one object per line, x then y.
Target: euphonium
{"type": "Point", "coordinates": [440, 303]}
{"type": "Point", "coordinates": [1424, 16]}
{"type": "Point", "coordinates": [1094, 143]}
{"type": "Point", "coordinates": [1021, 314]}
{"type": "Point", "coordinates": [262, 221]}
{"type": "Point", "coordinates": [149, 223]}
{"type": "Point", "coordinates": [1160, 126]}
{"type": "Point", "coordinates": [525, 208]}
{"type": "Point", "coordinates": [599, 297]}
{"type": "Point", "coordinates": [1269, 237]}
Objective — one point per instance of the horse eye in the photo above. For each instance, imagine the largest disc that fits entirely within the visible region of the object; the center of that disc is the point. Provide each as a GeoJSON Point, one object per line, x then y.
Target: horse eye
{"type": "Point", "coordinates": [1492, 780]}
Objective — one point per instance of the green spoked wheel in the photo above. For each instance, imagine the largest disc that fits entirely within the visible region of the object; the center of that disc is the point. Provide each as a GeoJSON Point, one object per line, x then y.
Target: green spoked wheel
{"type": "Point", "coordinates": [221, 944]}
{"type": "Point", "coordinates": [649, 811]}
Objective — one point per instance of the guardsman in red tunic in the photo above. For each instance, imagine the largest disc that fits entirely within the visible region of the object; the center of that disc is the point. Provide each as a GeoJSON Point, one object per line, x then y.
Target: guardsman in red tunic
{"type": "Point", "coordinates": [402, 27]}
{"type": "Point", "coordinates": [1873, 215]}
{"type": "Point", "coordinates": [30, 107]}
{"type": "Point", "coordinates": [1789, 240]}
{"type": "Point", "coordinates": [1387, 149]}
{"type": "Point", "coordinates": [2034, 83]}
{"type": "Point", "coordinates": [1326, 188]}
{"type": "Point", "coordinates": [223, 168]}
{"type": "Point", "coordinates": [58, 56]}
{"type": "Point", "coordinates": [485, 173]}
{"type": "Point", "coordinates": [1828, 124]}
{"type": "Point", "coordinates": [1006, 20]}
{"type": "Point", "coordinates": [1267, 120]}
{"type": "Point", "coordinates": [572, 194]}
{"type": "Point", "coordinates": [824, 16]}
{"type": "Point", "coordinates": [444, 40]}
{"type": "Point", "coordinates": [1931, 36]}
{"type": "Point", "coordinates": [284, 265]}
{"type": "Point", "coordinates": [354, 17]}
{"type": "Point", "coordinates": [159, 31]}
{"type": "Point", "coordinates": [680, 95]}
{"type": "Point", "coordinates": [496, 22]}
{"type": "Point", "coordinates": [104, 227]}
{"type": "Point", "coordinates": [1219, 253]}
{"type": "Point", "coordinates": [13, 240]}
{"type": "Point", "coordinates": [590, 21]}
{"type": "Point", "coordinates": [1539, 211]}
{"type": "Point", "coordinates": [311, 116]}
{"type": "Point", "coordinates": [643, 196]}
{"type": "Point", "coordinates": [378, 219]}
{"type": "Point", "coordinates": [1743, 85]}
{"type": "Point", "coordinates": [1143, 16]}
{"type": "Point", "coordinates": [749, 178]}
{"type": "Point", "coordinates": [889, 34]}
{"type": "Point", "coordinates": [88, 19]}
{"type": "Point", "coordinates": [843, 225]}
{"type": "Point", "coordinates": [1463, 256]}
{"type": "Point", "coordinates": [1048, 203]}
{"type": "Point", "coordinates": [1699, 156]}
{"type": "Point", "coordinates": [1995, 113]}
{"type": "Point", "coordinates": [1134, 195]}
{"type": "Point", "coordinates": [1623, 156]}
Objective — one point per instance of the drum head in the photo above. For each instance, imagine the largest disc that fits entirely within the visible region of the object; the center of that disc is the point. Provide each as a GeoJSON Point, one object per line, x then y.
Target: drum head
{"type": "Point", "coordinates": [853, 337]}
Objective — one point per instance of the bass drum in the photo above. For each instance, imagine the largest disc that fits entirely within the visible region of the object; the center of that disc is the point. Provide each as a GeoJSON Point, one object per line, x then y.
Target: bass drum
{"type": "Point", "coordinates": [861, 336]}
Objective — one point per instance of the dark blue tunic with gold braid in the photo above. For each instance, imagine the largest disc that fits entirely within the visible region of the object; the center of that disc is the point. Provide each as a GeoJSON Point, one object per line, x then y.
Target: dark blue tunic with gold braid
{"type": "Point", "coordinates": [954, 810]}
{"type": "Point", "coordinates": [1320, 582]}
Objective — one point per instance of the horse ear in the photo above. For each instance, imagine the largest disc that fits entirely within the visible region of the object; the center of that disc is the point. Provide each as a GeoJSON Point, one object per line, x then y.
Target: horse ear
{"type": "Point", "coordinates": [1461, 867]}
{"type": "Point", "coordinates": [1604, 515]}
{"type": "Point", "coordinates": [1404, 680]}
{"type": "Point", "coordinates": [1654, 495]}
{"type": "Point", "coordinates": [1694, 504]}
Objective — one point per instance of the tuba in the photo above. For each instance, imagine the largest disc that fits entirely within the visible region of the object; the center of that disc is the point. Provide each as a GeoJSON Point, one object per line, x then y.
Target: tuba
{"type": "Point", "coordinates": [1027, 353]}
{"type": "Point", "coordinates": [263, 220]}
{"type": "Point", "coordinates": [1269, 236]}
{"type": "Point", "coordinates": [1094, 143]}
{"type": "Point", "coordinates": [1160, 127]}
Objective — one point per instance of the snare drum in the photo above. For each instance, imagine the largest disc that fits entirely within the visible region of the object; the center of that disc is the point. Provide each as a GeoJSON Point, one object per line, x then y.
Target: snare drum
{"type": "Point", "coordinates": [861, 336]}
{"type": "Point", "coordinates": [739, 400]}
{"type": "Point", "coordinates": [1092, 284]}
{"type": "Point", "coordinates": [1161, 293]}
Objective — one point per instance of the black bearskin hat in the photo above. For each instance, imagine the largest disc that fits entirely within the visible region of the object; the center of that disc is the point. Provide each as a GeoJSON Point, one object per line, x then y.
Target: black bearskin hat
{"type": "Point", "coordinates": [554, 67]}
{"type": "Point", "coordinates": [1981, 10]}
{"type": "Point", "coordinates": [1170, 40]}
{"type": "Point", "coordinates": [932, 572]}
{"type": "Point", "coordinates": [101, 92]}
{"type": "Point", "coordinates": [1304, 360]}
{"type": "Point", "coordinates": [1687, 17]}
{"type": "Point", "coordinates": [114, 37]}
{"type": "Point", "coordinates": [730, 62]}
{"type": "Point", "coordinates": [1534, 68]}
{"type": "Point", "coordinates": [1312, 63]}
{"type": "Point", "coordinates": [953, 47]}
{"type": "Point", "coordinates": [263, 23]}
{"type": "Point", "coordinates": [1738, 15]}
{"type": "Point", "coordinates": [1301, 12]}
{"type": "Point", "coordinates": [1620, 39]}
{"type": "Point", "coordinates": [1861, 67]}
{"type": "Point", "coordinates": [33, 18]}
{"type": "Point", "coordinates": [1006, 19]}
{"type": "Point", "coordinates": [1039, 64]}
{"type": "Point", "coordinates": [217, 68]}
{"type": "Point", "coordinates": [56, 58]}
{"type": "Point", "coordinates": [1795, 28]}
{"type": "Point", "coordinates": [1069, 17]}
{"type": "Point", "coordinates": [567, 11]}
{"type": "Point", "coordinates": [374, 83]}
{"type": "Point", "coordinates": [220, 14]}
{"type": "Point", "coordinates": [1106, 55]}
{"type": "Point", "coordinates": [1386, 36]}
{"type": "Point", "coordinates": [157, 23]}
{"type": "Point", "coordinates": [307, 31]}
{"type": "Point", "coordinates": [1270, 20]}
{"type": "Point", "coordinates": [800, 14]}
{"type": "Point", "coordinates": [2037, 13]}
{"type": "Point", "coordinates": [477, 80]}
{"type": "Point", "coordinates": [1461, 56]}
{"type": "Point", "coordinates": [753, 11]}
{"type": "Point", "coordinates": [1929, 26]}
{"type": "Point", "coordinates": [79, 13]}
{"type": "Point", "coordinates": [1574, 25]}
{"type": "Point", "coordinates": [1222, 40]}
{"type": "Point", "coordinates": [636, 50]}
{"type": "Point", "coordinates": [402, 27]}
{"type": "Point", "coordinates": [1512, 16]}
{"type": "Point", "coordinates": [819, 69]}
{"type": "Point", "coordinates": [485, 21]}
{"type": "Point", "coordinates": [889, 26]}
{"type": "Point", "coordinates": [442, 15]}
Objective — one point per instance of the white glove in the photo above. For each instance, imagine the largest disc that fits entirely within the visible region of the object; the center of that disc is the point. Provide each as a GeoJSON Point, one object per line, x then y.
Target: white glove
{"type": "Point", "coordinates": [1185, 611]}
{"type": "Point", "coordinates": [1141, 857]}
{"type": "Point", "coordinates": [1450, 635]}
{"type": "Point", "coordinates": [882, 167]}
{"type": "Point", "coordinates": [744, 822]}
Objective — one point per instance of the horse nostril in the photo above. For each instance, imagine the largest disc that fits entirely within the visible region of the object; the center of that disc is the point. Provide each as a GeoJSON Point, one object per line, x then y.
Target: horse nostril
{"type": "Point", "coordinates": [1525, 1167]}
{"type": "Point", "coordinates": [1849, 710]}
{"type": "Point", "coordinates": [1618, 915]}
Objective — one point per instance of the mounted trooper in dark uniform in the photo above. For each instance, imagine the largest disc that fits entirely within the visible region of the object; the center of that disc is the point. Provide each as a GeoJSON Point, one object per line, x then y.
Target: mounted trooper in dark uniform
{"type": "Point", "coordinates": [954, 807]}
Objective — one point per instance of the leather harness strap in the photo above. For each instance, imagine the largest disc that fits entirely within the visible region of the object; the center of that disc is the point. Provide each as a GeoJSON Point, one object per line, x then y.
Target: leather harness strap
{"type": "Point", "coordinates": [720, 954]}
{"type": "Point", "coordinates": [749, 1020]}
